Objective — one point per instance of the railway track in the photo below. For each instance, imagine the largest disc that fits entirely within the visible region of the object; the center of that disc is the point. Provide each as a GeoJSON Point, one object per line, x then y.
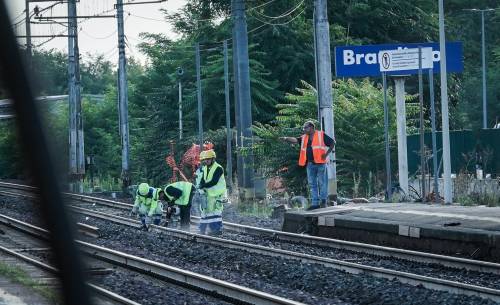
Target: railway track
{"type": "Point", "coordinates": [14, 251]}
{"type": "Point", "coordinates": [227, 292]}
{"type": "Point", "coordinates": [487, 271]}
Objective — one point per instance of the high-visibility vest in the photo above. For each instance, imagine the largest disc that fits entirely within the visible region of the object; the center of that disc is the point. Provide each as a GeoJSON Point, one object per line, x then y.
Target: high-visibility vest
{"type": "Point", "coordinates": [185, 187]}
{"type": "Point", "coordinates": [220, 188]}
{"type": "Point", "coordinates": [150, 201]}
{"type": "Point", "coordinates": [318, 148]}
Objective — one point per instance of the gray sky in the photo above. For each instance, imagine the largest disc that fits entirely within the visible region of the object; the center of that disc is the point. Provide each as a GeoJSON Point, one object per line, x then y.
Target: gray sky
{"type": "Point", "coordinates": [98, 35]}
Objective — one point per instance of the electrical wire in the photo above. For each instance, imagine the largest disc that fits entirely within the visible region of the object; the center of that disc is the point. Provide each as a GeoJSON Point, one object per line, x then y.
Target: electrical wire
{"type": "Point", "coordinates": [286, 13]}
{"type": "Point", "coordinates": [261, 5]}
{"type": "Point", "coordinates": [20, 15]}
{"type": "Point", "coordinates": [94, 37]}
{"type": "Point", "coordinates": [283, 23]}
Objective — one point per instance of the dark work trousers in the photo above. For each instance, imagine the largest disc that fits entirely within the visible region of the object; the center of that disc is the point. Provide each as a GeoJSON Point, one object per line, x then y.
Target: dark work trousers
{"type": "Point", "coordinates": [185, 212]}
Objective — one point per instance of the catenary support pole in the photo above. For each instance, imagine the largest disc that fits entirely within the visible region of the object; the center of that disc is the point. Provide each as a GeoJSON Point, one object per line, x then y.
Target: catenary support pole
{"type": "Point", "coordinates": [237, 123]}
{"type": "Point", "coordinates": [229, 163]}
{"type": "Point", "coordinates": [324, 84]}
{"type": "Point", "coordinates": [123, 97]}
{"type": "Point", "coordinates": [399, 84]}
{"type": "Point", "coordinates": [80, 152]}
{"type": "Point", "coordinates": [247, 190]}
{"type": "Point", "coordinates": [28, 36]}
{"type": "Point", "coordinates": [434, 142]}
{"type": "Point", "coordinates": [316, 68]}
{"type": "Point", "coordinates": [386, 137]}
{"type": "Point", "coordinates": [198, 91]}
{"type": "Point", "coordinates": [422, 124]}
{"type": "Point", "coordinates": [483, 59]}
{"type": "Point", "coordinates": [72, 96]}
{"type": "Point", "coordinates": [448, 197]}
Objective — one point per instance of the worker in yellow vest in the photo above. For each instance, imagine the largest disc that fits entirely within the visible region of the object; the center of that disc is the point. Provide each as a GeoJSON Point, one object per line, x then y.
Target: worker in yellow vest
{"type": "Point", "coordinates": [213, 185]}
{"type": "Point", "coordinates": [147, 204]}
{"type": "Point", "coordinates": [315, 146]}
{"type": "Point", "coordinates": [179, 194]}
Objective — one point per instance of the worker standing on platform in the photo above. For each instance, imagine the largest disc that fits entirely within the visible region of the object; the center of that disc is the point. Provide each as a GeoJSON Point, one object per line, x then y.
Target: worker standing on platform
{"type": "Point", "coordinates": [147, 204]}
{"type": "Point", "coordinates": [212, 185]}
{"type": "Point", "coordinates": [315, 146]}
{"type": "Point", "coordinates": [179, 194]}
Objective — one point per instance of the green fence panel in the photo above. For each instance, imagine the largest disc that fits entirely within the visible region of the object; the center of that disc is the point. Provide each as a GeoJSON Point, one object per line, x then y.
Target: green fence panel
{"type": "Point", "coordinates": [488, 142]}
{"type": "Point", "coordinates": [463, 147]}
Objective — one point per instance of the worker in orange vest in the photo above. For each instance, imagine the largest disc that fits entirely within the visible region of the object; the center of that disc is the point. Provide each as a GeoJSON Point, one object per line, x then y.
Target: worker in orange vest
{"type": "Point", "coordinates": [315, 146]}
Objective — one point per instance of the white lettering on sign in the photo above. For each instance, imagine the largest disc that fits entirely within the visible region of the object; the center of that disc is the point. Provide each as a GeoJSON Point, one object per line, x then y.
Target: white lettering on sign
{"type": "Point", "coordinates": [351, 58]}
{"type": "Point", "coordinates": [371, 58]}
{"type": "Point", "coordinates": [348, 57]}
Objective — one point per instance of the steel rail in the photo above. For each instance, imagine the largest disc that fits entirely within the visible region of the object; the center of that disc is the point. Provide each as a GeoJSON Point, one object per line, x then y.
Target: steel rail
{"type": "Point", "coordinates": [222, 288]}
{"type": "Point", "coordinates": [354, 268]}
{"type": "Point", "coordinates": [104, 293]}
{"type": "Point", "coordinates": [416, 256]}
{"type": "Point", "coordinates": [413, 279]}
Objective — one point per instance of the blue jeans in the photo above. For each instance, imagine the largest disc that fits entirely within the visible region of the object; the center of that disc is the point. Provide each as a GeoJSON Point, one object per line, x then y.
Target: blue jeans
{"type": "Point", "coordinates": [317, 177]}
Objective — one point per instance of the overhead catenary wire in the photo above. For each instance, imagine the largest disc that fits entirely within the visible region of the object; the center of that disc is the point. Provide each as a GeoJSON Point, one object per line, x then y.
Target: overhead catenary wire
{"type": "Point", "coordinates": [261, 5]}
{"type": "Point", "coordinates": [282, 23]}
{"type": "Point", "coordinates": [284, 14]}
{"type": "Point", "coordinates": [205, 47]}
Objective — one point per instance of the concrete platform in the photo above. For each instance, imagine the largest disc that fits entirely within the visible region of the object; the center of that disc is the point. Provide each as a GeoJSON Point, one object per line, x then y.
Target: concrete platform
{"type": "Point", "coordinates": [472, 232]}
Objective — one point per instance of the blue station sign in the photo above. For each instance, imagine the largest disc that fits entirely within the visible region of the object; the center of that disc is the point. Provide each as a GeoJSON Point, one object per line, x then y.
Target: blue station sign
{"type": "Point", "coordinates": [352, 61]}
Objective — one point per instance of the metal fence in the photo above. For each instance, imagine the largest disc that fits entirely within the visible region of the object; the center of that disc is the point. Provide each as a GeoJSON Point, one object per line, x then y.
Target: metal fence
{"type": "Point", "coordinates": [468, 149]}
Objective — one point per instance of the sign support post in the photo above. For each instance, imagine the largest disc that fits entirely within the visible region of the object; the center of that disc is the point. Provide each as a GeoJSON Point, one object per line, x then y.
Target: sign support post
{"type": "Point", "coordinates": [422, 126]}
{"type": "Point", "coordinates": [399, 84]}
{"type": "Point", "coordinates": [434, 145]}
{"type": "Point", "coordinates": [386, 137]}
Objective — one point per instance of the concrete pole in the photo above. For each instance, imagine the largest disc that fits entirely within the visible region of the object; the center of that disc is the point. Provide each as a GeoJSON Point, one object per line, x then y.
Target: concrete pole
{"type": "Point", "coordinates": [448, 197]}
{"type": "Point", "coordinates": [80, 152]}
{"type": "Point", "coordinates": [123, 96]}
{"type": "Point", "coordinates": [422, 123]}
{"type": "Point", "coordinates": [198, 91]}
{"type": "Point", "coordinates": [229, 163]}
{"type": "Point", "coordinates": [399, 84]}
{"type": "Point", "coordinates": [245, 102]}
{"type": "Point", "coordinates": [316, 68]}
{"type": "Point", "coordinates": [434, 142]}
{"type": "Point", "coordinates": [386, 137]}
{"type": "Point", "coordinates": [324, 83]}
{"type": "Point", "coordinates": [483, 57]}
{"type": "Point", "coordinates": [72, 95]}
{"type": "Point", "coordinates": [239, 159]}
{"type": "Point", "coordinates": [28, 36]}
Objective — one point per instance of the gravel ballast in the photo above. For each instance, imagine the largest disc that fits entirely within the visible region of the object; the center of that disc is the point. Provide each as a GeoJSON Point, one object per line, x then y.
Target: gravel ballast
{"type": "Point", "coordinates": [308, 283]}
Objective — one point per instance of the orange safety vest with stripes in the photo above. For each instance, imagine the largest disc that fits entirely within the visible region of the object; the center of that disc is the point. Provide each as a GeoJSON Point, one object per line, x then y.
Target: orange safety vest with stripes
{"type": "Point", "coordinates": [318, 148]}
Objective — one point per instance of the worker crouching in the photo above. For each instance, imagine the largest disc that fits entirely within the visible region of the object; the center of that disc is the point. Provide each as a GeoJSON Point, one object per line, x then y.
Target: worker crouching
{"type": "Point", "coordinates": [147, 204]}
{"type": "Point", "coordinates": [212, 186]}
{"type": "Point", "coordinates": [179, 194]}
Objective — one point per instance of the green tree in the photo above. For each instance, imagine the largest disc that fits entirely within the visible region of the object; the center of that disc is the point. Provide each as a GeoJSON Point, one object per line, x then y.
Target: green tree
{"type": "Point", "coordinates": [359, 127]}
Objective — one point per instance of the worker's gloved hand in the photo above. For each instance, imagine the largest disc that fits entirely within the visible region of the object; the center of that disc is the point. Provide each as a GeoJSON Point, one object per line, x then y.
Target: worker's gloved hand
{"type": "Point", "coordinates": [169, 212]}
{"type": "Point", "coordinates": [133, 212]}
